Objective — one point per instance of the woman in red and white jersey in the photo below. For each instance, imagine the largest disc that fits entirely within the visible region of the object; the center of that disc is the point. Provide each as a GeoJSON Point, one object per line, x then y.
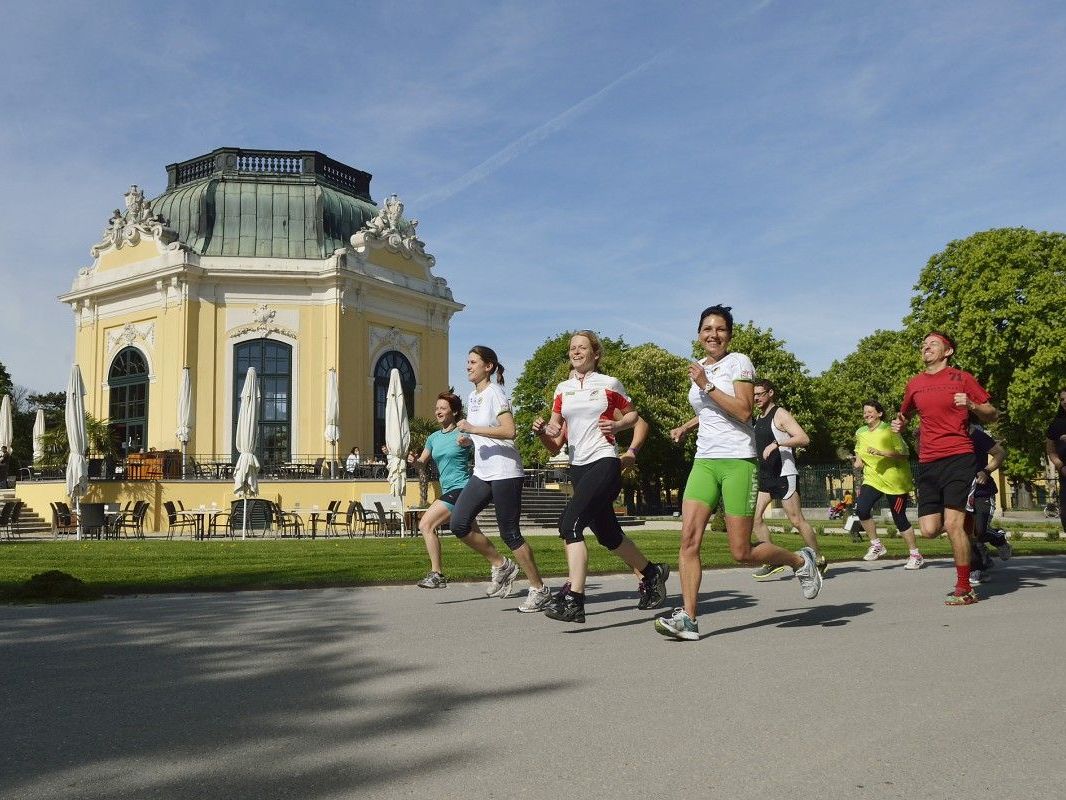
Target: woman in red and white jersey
{"type": "Point", "coordinates": [588, 410]}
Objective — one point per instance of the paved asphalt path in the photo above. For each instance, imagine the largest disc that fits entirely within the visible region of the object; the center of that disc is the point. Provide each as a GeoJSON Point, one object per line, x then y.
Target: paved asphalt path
{"type": "Point", "coordinates": [874, 690]}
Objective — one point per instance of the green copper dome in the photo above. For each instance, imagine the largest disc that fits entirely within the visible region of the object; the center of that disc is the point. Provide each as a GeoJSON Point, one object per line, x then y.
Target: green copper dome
{"type": "Point", "coordinates": [273, 203]}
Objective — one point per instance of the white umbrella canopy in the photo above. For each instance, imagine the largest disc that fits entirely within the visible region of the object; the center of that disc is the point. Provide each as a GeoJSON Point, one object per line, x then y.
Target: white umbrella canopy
{"type": "Point", "coordinates": [397, 435]}
{"type": "Point", "coordinates": [77, 463]}
{"type": "Point", "coordinates": [6, 428]}
{"type": "Point", "coordinates": [246, 472]}
{"type": "Point", "coordinates": [38, 436]}
{"type": "Point", "coordinates": [184, 414]}
{"type": "Point", "coordinates": [332, 432]}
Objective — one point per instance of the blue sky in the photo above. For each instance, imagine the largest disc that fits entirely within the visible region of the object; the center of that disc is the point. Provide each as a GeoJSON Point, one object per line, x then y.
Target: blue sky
{"type": "Point", "coordinates": [616, 166]}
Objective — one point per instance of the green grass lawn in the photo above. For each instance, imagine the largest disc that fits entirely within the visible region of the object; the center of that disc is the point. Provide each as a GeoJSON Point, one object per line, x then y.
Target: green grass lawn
{"type": "Point", "coordinates": [134, 567]}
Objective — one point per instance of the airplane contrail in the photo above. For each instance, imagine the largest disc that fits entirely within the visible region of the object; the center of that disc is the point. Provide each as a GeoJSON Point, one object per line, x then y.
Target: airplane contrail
{"type": "Point", "coordinates": [529, 140]}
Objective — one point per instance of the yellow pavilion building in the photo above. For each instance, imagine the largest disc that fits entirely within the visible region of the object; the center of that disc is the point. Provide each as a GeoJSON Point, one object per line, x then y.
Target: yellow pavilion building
{"type": "Point", "coordinates": [278, 260]}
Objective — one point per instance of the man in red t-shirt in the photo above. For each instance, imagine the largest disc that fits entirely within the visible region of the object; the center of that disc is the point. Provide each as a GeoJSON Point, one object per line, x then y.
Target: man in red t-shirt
{"type": "Point", "coordinates": [945, 397]}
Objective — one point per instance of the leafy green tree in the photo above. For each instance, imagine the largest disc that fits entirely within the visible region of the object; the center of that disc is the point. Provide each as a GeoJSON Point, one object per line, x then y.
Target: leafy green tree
{"type": "Point", "coordinates": [56, 448]}
{"type": "Point", "coordinates": [1001, 294]}
{"type": "Point", "coordinates": [878, 369]}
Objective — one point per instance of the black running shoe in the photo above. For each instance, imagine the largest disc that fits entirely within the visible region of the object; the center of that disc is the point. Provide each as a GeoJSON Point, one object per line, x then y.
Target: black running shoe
{"type": "Point", "coordinates": [654, 594]}
{"type": "Point", "coordinates": [566, 609]}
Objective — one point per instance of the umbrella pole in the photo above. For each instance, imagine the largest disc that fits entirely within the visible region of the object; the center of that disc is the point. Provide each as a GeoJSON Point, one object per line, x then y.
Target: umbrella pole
{"type": "Point", "coordinates": [184, 460]}
{"type": "Point", "coordinates": [77, 513]}
{"type": "Point", "coordinates": [244, 519]}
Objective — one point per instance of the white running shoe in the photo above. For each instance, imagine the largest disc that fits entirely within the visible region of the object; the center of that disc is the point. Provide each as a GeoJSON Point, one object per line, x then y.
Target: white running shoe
{"type": "Point", "coordinates": [975, 577]}
{"type": "Point", "coordinates": [875, 552]}
{"type": "Point", "coordinates": [810, 577]}
{"type": "Point", "coordinates": [679, 625]}
{"type": "Point", "coordinates": [536, 600]}
{"type": "Point", "coordinates": [501, 584]}
{"type": "Point", "coordinates": [914, 562]}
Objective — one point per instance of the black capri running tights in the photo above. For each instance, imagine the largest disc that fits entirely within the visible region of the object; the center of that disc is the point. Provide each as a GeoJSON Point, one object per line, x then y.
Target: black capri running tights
{"type": "Point", "coordinates": [868, 495]}
{"type": "Point", "coordinates": [506, 497]}
{"type": "Point", "coordinates": [596, 486]}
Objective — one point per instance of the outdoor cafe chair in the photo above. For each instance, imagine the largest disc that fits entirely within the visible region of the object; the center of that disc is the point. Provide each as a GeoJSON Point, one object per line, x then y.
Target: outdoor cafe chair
{"type": "Point", "coordinates": [177, 521]}
{"type": "Point", "coordinates": [94, 520]}
{"type": "Point", "coordinates": [131, 520]}
{"type": "Point", "coordinates": [332, 513]}
{"type": "Point", "coordinates": [368, 521]}
{"type": "Point", "coordinates": [346, 521]}
{"type": "Point", "coordinates": [288, 522]}
{"type": "Point", "coordinates": [63, 519]}
{"type": "Point", "coordinates": [5, 513]}
{"type": "Point", "coordinates": [13, 520]}
{"type": "Point", "coordinates": [220, 524]}
{"type": "Point", "coordinates": [390, 520]}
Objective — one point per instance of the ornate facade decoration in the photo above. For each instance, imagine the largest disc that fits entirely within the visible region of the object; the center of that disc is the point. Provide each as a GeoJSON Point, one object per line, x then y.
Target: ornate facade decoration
{"type": "Point", "coordinates": [129, 334]}
{"type": "Point", "coordinates": [383, 339]}
{"type": "Point", "coordinates": [391, 230]}
{"type": "Point", "coordinates": [263, 322]}
{"type": "Point", "coordinates": [136, 223]}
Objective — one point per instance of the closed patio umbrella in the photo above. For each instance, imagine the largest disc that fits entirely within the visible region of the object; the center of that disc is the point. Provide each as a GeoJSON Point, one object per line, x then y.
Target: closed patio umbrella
{"type": "Point", "coordinates": [38, 436]}
{"type": "Point", "coordinates": [246, 473]}
{"type": "Point", "coordinates": [77, 463]}
{"type": "Point", "coordinates": [184, 415]}
{"type": "Point", "coordinates": [397, 439]}
{"type": "Point", "coordinates": [6, 432]}
{"type": "Point", "coordinates": [333, 404]}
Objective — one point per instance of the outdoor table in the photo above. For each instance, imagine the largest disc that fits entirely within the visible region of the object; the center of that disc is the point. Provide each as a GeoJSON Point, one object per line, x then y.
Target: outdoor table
{"type": "Point", "coordinates": [412, 517]}
{"type": "Point", "coordinates": [200, 516]}
{"type": "Point", "coordinates": [313, 515]}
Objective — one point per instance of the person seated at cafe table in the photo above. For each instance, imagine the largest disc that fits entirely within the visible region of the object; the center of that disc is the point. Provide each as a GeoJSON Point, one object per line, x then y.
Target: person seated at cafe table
{"type": "Point", "coordinates": [351, 464]}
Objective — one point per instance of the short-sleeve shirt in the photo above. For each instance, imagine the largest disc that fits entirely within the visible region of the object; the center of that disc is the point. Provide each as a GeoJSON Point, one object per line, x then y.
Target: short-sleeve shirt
{"type": "Point", "coordinates": [583, 402]}
{"type": "Point", "coordinates": [720, 435]}
{"type": "Point", "coordinates": [451, 458]}
{"type": "Point", "coordinates": [944, 424]}
{"type": "Point", "coordinates": [1055, 431]}
{"type": "Point", "coordinates": [494, 459]}
{"type": "Point", "coordinates": [888, 475]}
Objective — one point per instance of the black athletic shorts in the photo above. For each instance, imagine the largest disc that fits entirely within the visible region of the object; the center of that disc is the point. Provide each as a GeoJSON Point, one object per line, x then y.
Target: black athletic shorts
{"type": "Point", "coordinates": [945, 483]}
{"type": "Point", "coordinates": [779, 487]}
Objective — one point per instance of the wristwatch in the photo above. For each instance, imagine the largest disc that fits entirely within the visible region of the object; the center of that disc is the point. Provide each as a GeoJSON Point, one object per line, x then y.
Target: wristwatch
{"type": "Point", "coordinates": [708, 388]}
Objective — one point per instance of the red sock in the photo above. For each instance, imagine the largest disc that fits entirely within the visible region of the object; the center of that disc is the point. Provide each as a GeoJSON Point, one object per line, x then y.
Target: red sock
{"type": "Point", "coordinates": [962, 580]}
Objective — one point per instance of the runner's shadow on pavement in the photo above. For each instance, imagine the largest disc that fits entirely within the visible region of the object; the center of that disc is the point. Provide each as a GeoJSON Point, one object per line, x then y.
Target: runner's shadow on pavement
{"type": "Point", "coordinates": [1008, 579]}
{"type": "Point", "coordinates": [827, 616]}
{"type": "Point", "coordinates": [712, 603]}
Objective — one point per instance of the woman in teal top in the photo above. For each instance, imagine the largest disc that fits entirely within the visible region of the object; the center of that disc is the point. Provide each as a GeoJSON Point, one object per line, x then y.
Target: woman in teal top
{"type": "Point", "coordinates": [454, 465]}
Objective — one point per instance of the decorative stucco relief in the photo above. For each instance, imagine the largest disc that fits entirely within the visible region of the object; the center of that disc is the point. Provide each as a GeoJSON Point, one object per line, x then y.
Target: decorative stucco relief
{"type": "Point", "coordinates": [130, 333]}
{"type": "Point", "coordinates": [383, 339]}
{"type": "Point", "coordinates": [263, 321]}
{"type": "Point", "coordinates": [138, 222]}
{"type": "Point", "coordinates": [391, 230]}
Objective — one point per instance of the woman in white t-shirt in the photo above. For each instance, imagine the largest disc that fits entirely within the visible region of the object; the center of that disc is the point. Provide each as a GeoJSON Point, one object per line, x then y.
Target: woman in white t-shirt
{"type": "Point", "coordinates": [489, 426]}
{"type": "Point", "coordinates": [589, 408]}
{"type": "Point", "coordinates": [725, 469]}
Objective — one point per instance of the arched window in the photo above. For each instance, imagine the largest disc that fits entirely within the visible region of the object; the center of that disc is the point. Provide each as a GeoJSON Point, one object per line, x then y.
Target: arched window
{"type": "Point", "coordinates": [388, 362]}
{"type": "Point", "coordinates": [273, 366]}
{"type": "Point", "coordinates": [127, 413]}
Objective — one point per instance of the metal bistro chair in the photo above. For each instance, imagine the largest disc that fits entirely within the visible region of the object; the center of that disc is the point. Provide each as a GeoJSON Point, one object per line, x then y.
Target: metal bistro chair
{"type": "Point", "coordinates": [390, 520]}
{"type": "Point", "coordinates": [260, 517]}
{"type": "Point", "coordinates": [93, 520]}
{"type": "Point", "coordinates": [347, 521]}
{"type": "Point", "coordinates": [5, 514]}
{"type": "Point", "coordinates": [176, 521]}
{"type": "Point", "coordinates": [13, 520]}
{"type": "Point", "coordinates": [131, 520]}
{"type": "Point", "coordinates": [63, 519]}
{"type": "Point", "coordinates": [368, 521]}
{"type": "Point", "coordinates": [288, 523]}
